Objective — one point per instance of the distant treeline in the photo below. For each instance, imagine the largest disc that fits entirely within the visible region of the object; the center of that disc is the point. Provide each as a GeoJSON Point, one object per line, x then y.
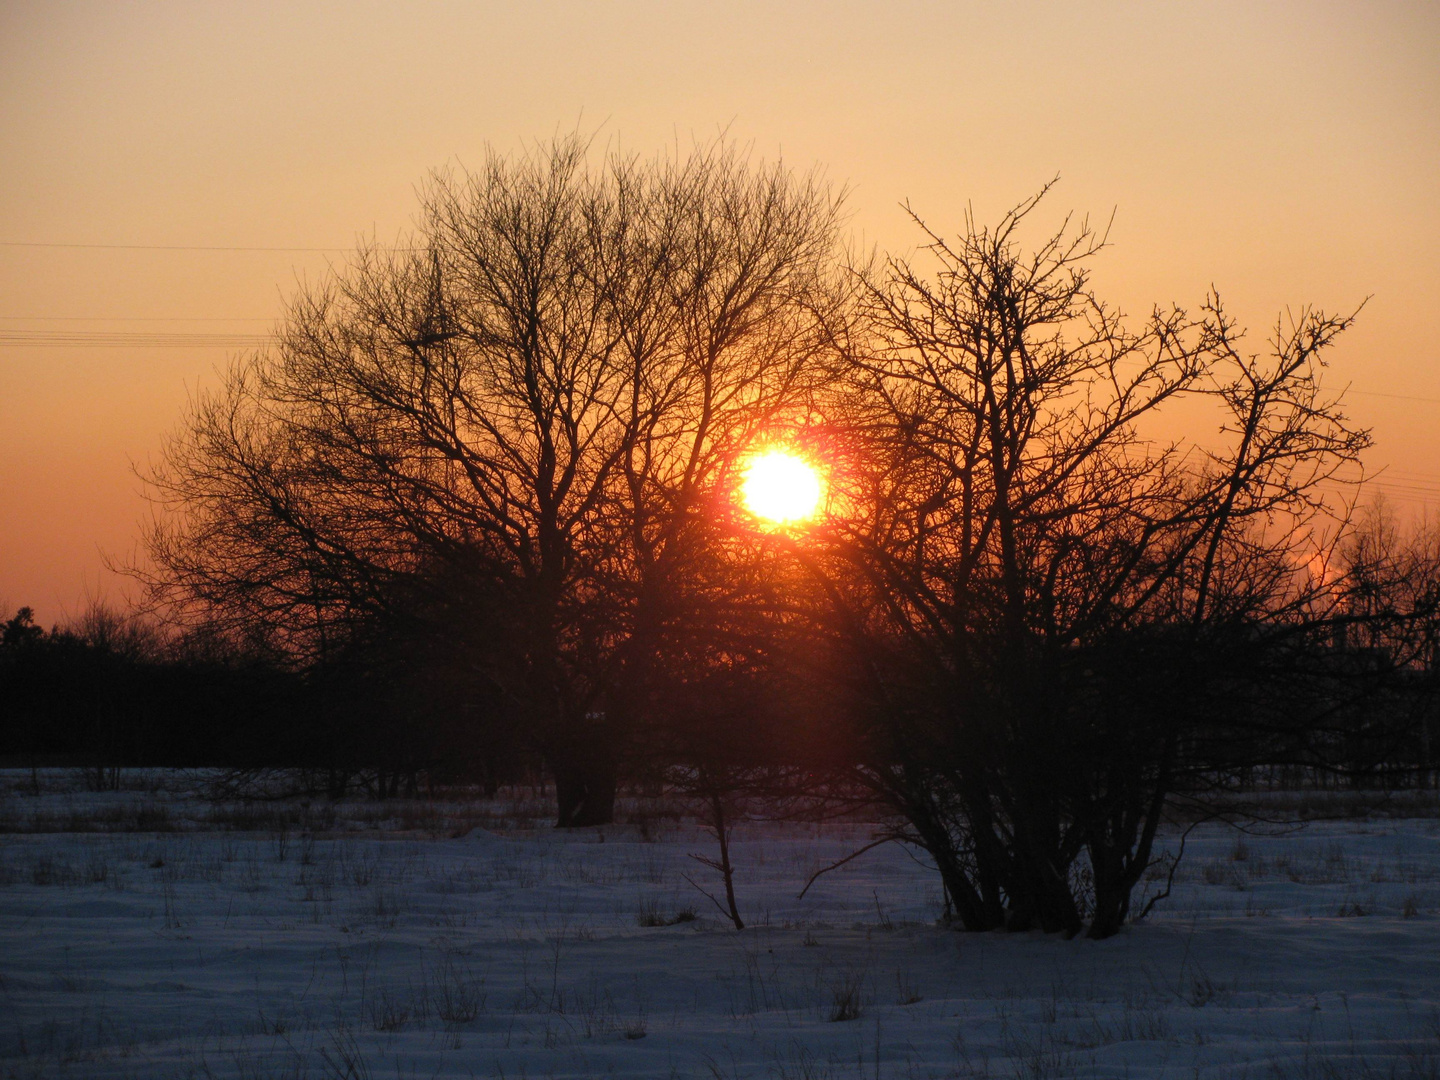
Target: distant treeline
{"type": "Point", "coordinates": [110, 692]}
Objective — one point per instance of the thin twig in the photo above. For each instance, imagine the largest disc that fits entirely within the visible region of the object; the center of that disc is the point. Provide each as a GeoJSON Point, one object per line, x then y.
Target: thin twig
{"type": "Point", "coordinates": [842, 862]}
{"type": "Point", "coordinates": [708, 896]}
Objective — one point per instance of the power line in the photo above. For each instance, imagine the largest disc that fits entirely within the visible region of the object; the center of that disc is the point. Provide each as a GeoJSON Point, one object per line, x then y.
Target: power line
{"type": "Point", "coordinates": [1397, 397]}
{"type": "Point", "coordinates": [185, 247]}
{"type": "Point", "coordinates": [129, 318]}
{"type": "Point", "coordinates": [1410, 487]}
{"type": "Point", "coordinates": [136, 338]}
{"type": "Point", "coordinates": [160, 247]}
{"type": "Point", "coordinates": [131, 339]}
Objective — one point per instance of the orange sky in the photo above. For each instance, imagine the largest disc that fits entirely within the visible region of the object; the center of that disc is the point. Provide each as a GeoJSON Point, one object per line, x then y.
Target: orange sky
{"type": "Point", "coordinates": [1287, 153]}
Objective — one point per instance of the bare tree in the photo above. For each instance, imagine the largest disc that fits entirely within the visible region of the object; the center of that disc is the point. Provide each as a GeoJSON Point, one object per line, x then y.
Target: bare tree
{"type": "Point", "coordinates": [525, 414]}
{"type": "Point", "coordinates": [1391, 625]}
{"type": "Point", "coordinates": [1034, 600]}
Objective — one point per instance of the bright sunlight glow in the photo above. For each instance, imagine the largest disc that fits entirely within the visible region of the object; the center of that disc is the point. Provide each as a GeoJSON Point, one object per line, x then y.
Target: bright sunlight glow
{"type": "Point", "coordinates": [781, 487]}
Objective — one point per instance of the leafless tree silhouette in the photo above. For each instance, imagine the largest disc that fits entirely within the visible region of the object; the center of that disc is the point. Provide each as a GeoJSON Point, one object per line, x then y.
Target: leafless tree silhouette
{"type": "Point", "coordinates": [1041, 607]}
{"type": "Point", "coordinates": [530, 411]}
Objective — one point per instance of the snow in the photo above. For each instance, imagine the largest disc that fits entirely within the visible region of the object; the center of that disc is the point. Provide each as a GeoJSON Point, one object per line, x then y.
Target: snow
{"type": "Point", "coordinates": [373, 947]}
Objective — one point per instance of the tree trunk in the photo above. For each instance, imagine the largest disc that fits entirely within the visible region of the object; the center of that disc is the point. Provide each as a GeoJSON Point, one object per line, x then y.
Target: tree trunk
{"type": "Point", "coordinates": [584, 789]}
{"type": "Point", "coordinates": [976, 908]}
{"type": "Point", "coordinates": [1112, 893]}
{"type": "Point", "coordinates": [727, 871]}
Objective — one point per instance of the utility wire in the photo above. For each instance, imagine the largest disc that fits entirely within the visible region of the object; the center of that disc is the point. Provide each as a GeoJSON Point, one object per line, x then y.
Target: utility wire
{"type": "Point", "coordinates": [159, 247]}
{"type": "Point", "coordinates": [128, 318]}
{"type": "Point", "coordinates": [186, 247]}
{"type": "Point", "coordinates": [130, 339]}
{"type": "Point", "coordinates": [125, 338]}
{"type": "Point", "coordinates": [1397, 397]}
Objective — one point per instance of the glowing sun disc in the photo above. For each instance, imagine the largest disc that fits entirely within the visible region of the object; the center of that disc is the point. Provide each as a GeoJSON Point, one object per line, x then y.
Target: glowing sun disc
{"type": "Point", "coordinates": [780, 487]}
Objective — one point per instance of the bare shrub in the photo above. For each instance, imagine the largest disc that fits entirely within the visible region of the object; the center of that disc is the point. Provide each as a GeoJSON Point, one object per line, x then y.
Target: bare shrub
{"type": "Point", "coordinates": [846, 997]}
{"type": "Point", "coordinates": [457, 995]}
{"type": "Point", "coordinates": [651, 913]}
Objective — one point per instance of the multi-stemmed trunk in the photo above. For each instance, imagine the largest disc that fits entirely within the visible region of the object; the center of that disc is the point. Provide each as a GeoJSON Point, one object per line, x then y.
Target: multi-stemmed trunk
{"type": "Point", "coordinates": [586, 775]}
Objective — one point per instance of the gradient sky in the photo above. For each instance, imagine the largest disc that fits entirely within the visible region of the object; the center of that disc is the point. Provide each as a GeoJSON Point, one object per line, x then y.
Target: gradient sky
{"type": "Point", "coordinates": [1288, 153]}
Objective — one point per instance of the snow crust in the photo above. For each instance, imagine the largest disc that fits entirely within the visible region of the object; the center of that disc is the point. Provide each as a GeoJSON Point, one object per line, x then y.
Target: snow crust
{"type": "Point", "coordinates": [370, 950]}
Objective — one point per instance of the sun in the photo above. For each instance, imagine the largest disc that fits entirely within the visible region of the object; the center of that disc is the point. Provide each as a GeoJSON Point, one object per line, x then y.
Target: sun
{"type": "Point", "coordinates": [781, 487]}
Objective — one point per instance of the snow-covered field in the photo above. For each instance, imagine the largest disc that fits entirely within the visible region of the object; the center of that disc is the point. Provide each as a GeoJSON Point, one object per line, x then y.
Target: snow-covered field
{"type": "Point", "coordinates": [151, 934]}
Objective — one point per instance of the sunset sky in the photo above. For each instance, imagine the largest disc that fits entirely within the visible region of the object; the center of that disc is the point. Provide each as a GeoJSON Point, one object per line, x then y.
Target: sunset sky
{"type": "Point", "coordinates": [1287, 153]}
